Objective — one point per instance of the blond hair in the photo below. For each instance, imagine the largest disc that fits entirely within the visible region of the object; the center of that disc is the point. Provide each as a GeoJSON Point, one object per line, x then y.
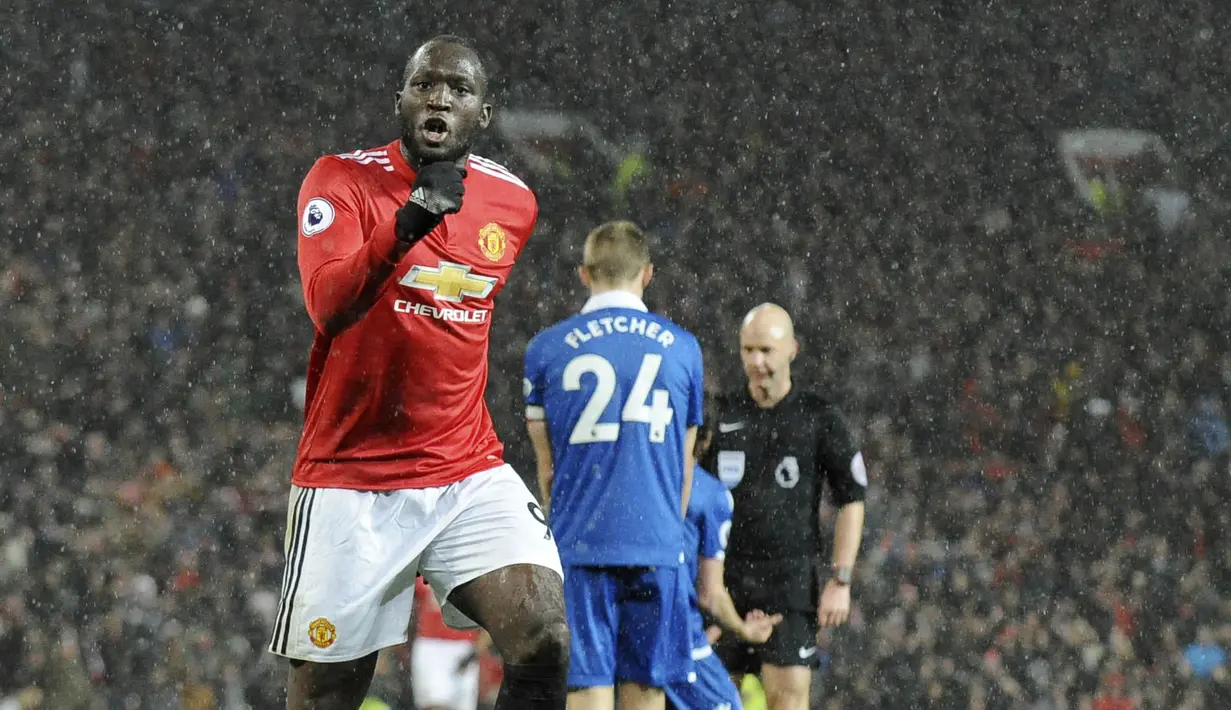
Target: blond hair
{"type": "Point", "coordinates": [616, 252]}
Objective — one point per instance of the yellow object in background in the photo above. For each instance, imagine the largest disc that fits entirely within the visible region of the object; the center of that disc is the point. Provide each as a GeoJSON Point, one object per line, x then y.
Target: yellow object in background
{"type": "Point", "coordinates": [375, 704]}
{"type": "Point", "coordinates": [752, 693]}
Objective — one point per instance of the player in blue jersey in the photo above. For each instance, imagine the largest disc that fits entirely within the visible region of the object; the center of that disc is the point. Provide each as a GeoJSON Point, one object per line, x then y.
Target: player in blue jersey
{"type": "Point", "coordinates": [708, 522]}
{"type": "Point", "coordinates": [614, 396]}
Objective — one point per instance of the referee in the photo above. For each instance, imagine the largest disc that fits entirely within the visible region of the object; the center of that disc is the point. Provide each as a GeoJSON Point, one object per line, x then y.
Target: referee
{"type": "Point", "coordinates": [775, 447]}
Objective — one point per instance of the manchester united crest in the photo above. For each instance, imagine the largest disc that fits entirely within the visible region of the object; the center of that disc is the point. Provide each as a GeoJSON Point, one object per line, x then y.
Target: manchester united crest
{"type": "Point", "coordinates": [492, 241]}
{"type": "Point", "coordinates": [322, 633]}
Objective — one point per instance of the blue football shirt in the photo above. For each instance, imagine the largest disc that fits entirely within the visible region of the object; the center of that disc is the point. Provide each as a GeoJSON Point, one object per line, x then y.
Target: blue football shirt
{"type": "Point", "coordinates": [618, 388]}
{"type": "Point", "coordinates": [705, 535]}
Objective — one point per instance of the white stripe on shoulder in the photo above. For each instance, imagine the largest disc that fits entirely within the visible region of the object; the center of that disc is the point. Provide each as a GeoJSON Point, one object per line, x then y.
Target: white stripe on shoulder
{"type": "Point", "coordinates": [368, 157]}
{"type": "Point", "coordinates": [502, 174]}
{"type": "Point", "coordinates": [488, 162]}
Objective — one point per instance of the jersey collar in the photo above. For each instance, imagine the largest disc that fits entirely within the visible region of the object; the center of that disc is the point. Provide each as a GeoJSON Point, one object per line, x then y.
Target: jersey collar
{"type": "Point", "coordinates": [789, 398]}
{"type": "Point", "coordinates": [398, 161]}
{"type": "Point", "coordinates": [614, 299]}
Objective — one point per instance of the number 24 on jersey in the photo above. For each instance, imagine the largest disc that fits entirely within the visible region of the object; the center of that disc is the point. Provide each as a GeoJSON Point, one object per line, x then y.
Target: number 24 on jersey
{"type": "Point", "coordinates": [644, 405]}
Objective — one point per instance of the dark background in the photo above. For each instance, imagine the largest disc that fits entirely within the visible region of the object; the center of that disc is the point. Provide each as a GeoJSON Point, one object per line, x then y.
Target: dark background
{"type": "Point", "coordinates": [1041, 386]}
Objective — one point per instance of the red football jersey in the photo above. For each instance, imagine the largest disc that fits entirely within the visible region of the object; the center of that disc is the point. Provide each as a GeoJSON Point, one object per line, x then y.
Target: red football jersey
{"type": "Point", "coordinates": [395, 398]}
{"type": "Point", "coordinates": [429, 622]}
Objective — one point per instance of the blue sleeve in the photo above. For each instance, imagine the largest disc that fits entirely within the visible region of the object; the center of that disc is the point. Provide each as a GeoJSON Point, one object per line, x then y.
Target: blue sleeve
{"type": "Point", "coordinates": [716, 524]}
{"type": "Point", "coordinates": [534, 382]}
{"type": "Point", "coordinates": [696, 395]}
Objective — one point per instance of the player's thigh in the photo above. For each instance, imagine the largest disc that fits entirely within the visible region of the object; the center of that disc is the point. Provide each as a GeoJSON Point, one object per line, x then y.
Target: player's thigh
{"type": "Point", "coordinates": [786, 687]}
{"type": "Point", "coordinates": [342, 684]}
{"type": "Point", "coordinates": [708, 687]}
{"type": "Point", "coordinates": [654, 641]}
{"type": "Point", "coordinates": [348, 586]}
{"type": "Point", "coordinates": [495, 564]}
{"type": "Point", "coordinates": [434, 675]}
{"type": "Point", "coordinates": [635, 696]}
{"type": "Point", "coordinates": [597, 698]}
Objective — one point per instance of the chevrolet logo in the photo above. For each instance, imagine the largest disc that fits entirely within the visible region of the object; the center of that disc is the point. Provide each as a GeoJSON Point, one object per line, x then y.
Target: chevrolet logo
{"type": "Point", "coordinates": [450, 281]}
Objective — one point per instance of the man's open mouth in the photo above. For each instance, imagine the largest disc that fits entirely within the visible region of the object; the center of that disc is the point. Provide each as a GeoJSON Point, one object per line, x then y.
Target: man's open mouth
{"type": "Point", "coordinates": [435, 130]}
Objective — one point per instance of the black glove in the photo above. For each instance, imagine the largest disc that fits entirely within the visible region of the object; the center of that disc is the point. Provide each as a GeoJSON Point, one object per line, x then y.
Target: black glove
{"type": "Point", "coordinates": [437, 192]}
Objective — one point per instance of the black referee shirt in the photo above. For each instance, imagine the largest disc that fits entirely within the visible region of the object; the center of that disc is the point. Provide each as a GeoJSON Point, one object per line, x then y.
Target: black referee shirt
{"type": "Point", "coordinates": [776, 462]}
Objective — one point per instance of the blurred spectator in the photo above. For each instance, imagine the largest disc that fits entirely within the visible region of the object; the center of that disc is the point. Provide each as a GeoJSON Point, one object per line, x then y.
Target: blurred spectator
{"type": "Point", "coordinates": [1205, 655]}
{"type": "Point", "coordinates": [1043, 392]}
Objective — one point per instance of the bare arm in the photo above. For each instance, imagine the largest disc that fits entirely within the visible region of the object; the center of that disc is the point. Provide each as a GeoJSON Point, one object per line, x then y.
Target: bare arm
{"type": "Point", "coordinates": [712, 595]}
{"type": "Point", "coordinates": [541, 440]}
{"type": "Point", "coordinates": [847, 534]}
{"type": "Point", "coordinates": [690, 461]}
{"type": "Point", "coordinates": [834, 606]}
{"type": "Point", "coordinates": [841, 463]}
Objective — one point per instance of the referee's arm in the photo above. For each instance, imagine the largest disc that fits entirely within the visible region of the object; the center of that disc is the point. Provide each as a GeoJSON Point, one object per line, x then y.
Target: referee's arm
{"type": "Point", "coordinates": [847, 534]}
{"type": "Point", "coordinates": [842, 464]}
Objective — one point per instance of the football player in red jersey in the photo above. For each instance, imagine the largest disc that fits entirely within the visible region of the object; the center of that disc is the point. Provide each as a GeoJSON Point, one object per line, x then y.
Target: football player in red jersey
{"type": "Point", "coordinates": [402, 249]}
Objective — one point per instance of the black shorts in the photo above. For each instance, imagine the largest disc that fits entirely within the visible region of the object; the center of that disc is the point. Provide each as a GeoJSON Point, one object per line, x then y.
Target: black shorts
{"type": "Point", "coordinates": [787, 587]}
{"type": "Point", "coordinates": [793, 644]}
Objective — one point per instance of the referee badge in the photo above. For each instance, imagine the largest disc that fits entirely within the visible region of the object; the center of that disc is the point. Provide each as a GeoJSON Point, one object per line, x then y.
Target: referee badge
{"type": "Point", "coordinates": [787, 473]}
{"type": "Point", "coordinates": [731, 467]}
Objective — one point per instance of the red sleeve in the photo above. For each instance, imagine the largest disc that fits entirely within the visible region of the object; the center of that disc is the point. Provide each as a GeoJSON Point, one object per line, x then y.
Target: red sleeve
{"type": "Point", "coordinates": [343, 270]}
{"type": "Point", "coordinates": [534, 220]}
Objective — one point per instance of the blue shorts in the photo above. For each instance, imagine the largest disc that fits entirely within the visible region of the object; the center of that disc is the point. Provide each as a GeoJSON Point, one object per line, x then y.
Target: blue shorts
{"type": "Point", "coordinates": [708, 687]}
{"type": "Point", "coordinates": [627, 624]}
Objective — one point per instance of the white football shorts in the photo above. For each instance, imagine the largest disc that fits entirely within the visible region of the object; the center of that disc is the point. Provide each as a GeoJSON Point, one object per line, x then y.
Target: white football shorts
{"type": "Point", "coordinates": [435, 678]}
{"type": "Point", "coordinates": [352, 557]}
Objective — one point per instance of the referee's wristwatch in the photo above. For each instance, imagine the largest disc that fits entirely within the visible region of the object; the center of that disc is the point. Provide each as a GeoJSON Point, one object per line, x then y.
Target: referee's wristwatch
{"type": "Point", "coordinates": [842, 575]}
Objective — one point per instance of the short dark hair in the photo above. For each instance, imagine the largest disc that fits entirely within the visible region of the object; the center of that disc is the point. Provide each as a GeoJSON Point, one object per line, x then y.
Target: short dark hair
{"type": "Point", "coordinates": [460, 41]}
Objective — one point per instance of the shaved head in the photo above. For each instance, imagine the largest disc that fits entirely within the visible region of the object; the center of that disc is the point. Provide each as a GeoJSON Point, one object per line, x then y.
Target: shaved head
{"type": "Point", "coordinates": [767, 346]}
{"type": "Point", "coordinates": [442, 107]}
{"type": "Point", "coordinates": [455, 44]}
{"type": "Point", "coordinates": [771, 320]}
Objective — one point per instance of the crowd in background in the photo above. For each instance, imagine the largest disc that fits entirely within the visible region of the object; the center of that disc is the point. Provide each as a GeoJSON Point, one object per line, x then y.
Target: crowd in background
{"type": "Point", "coordinates": [1047, 426]}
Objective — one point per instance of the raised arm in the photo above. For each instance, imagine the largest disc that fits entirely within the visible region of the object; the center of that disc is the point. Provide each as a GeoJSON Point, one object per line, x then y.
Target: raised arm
{"type": "Point", "coordinates": [342, 268]}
